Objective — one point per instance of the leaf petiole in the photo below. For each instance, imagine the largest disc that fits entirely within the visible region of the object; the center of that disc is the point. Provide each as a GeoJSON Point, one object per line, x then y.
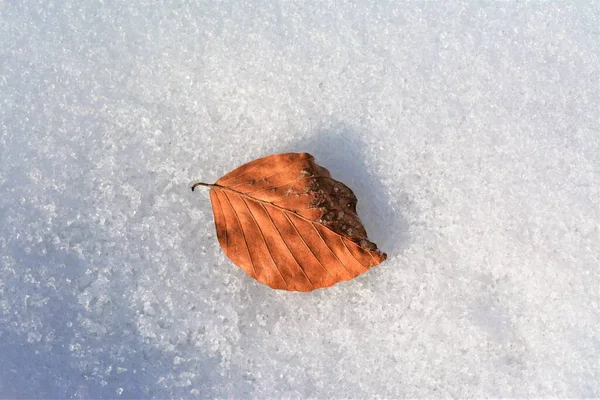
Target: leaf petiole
{"type": "Point", "coordinates": [195, 185]}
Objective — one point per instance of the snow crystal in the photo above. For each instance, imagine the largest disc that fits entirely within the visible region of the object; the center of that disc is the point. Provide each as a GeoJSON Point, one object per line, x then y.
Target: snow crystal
{"type": "Point", "coordinates": [469, 135]}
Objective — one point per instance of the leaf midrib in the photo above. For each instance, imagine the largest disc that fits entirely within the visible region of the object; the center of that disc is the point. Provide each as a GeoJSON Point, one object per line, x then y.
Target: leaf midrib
{"type": "Point", "coordinates": [287, 210]}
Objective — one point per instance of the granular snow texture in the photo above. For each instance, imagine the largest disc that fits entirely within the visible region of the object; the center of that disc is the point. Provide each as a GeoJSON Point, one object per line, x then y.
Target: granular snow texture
{"type": "Point", "coordinates": [468, 131]}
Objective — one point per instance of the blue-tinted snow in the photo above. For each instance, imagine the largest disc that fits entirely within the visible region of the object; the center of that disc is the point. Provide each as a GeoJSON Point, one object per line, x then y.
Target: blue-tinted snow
{"type": "Point", "coordinates": [469, 133]}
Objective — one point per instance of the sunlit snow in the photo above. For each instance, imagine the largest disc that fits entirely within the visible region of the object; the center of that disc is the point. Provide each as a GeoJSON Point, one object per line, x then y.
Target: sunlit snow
{"type": "Point", "coordinates": [469, 133]}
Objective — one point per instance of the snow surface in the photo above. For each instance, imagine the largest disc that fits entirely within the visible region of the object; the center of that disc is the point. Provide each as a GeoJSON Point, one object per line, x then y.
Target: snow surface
{"type": "Point", "coordinates": [469, 133]}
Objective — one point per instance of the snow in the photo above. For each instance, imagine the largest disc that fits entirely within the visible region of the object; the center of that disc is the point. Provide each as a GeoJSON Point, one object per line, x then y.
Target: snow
{"type": "Point", "coordinates": [469, 133]}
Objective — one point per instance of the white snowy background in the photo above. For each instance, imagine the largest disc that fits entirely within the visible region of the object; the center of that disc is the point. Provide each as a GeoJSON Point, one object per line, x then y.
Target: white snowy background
{"type": "Point", "coordinates": [468, 130]}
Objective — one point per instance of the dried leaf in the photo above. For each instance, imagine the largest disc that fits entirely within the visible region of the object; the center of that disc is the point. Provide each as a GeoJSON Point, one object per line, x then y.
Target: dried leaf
{"type": "Point", "coordinates": [289, 225]}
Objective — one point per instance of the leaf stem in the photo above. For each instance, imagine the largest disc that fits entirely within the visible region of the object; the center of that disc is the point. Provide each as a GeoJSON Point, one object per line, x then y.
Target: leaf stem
{"type": "Point", "coordinates": [200, 184]}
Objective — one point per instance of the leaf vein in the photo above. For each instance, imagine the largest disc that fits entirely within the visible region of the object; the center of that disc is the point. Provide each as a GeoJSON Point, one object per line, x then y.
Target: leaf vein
{"type": "Point", "coordinates": [258, 164]}
{"type": "Point", "coordinates": [288, 247]}
{"type": "Point", "coordinates": [276, 172]}
{"type": "Point", "coordinates": [243, 234]}
{"type": "Point", "coordinates": [298, 179]}
{"type": "Point", "coordinates": [352, 254]}
{"type": "Point", "coordinates": [307, 246]}
{"type": "Point", "coordinates": [329, 247]}
{"type": "Point", "coordinates": [264, 240]}
{"type": "Point", "coordinates": [276, 206]}
{"type": "Point", "coordinates": [225, 220]}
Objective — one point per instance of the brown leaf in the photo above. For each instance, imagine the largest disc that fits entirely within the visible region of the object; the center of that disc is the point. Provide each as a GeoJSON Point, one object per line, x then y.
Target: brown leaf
{"type": "Point", "coordinates": [289, 225]}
